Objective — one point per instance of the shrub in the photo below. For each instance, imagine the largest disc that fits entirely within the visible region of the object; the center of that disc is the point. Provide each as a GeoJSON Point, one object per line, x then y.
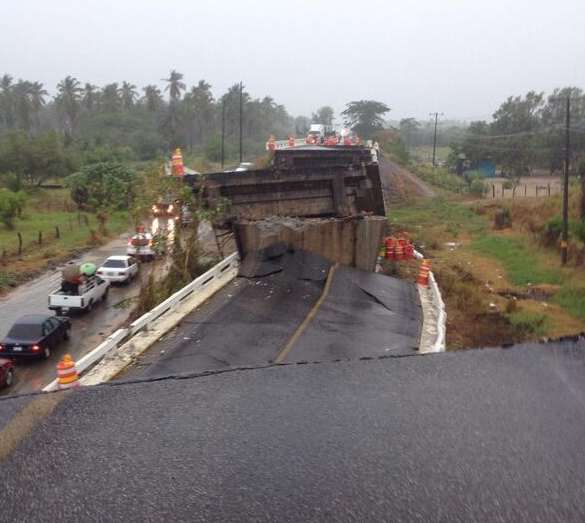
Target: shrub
{"type": "Point", "coordinates": [502, 219]}
{"type": "Point", "coordinates": [477, 187]}
{"type": "Point", "coordinates": [552, 231]}
{"type": "Point", "coordinates": [579, 230]}
{"type": "Point", "coordinates": [11, 204]}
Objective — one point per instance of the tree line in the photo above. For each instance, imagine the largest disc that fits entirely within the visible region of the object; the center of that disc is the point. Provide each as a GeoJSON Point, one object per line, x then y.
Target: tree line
{"type": "Point", "coordinates": [43, 135]}
{"type": "Point", "coordinates": [142, 123]}
{"type": "Point", "coordinates": [528, 132]}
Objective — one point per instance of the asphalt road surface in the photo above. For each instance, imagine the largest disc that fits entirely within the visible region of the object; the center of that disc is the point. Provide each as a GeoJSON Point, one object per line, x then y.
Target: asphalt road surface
{"type": "Point", "coordinates": [304, 311]}
{"type": "Point", "coordinates": [477, 435]}
{"type": "Point", "coordinates": [88, 330]}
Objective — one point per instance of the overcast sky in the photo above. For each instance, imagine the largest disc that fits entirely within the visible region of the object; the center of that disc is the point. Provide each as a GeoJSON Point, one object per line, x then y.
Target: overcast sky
{"type": "Point", "coordinates": [459, 57]}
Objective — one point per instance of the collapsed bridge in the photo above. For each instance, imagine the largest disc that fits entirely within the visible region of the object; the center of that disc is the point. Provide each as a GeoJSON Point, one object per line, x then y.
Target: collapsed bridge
{"type": "Point", "coordinates": [331, 199]}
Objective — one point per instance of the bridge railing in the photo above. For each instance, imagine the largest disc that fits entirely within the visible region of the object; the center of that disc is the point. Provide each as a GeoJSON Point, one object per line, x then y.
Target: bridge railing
{"type": "Point", "coordinates": [121, 336]}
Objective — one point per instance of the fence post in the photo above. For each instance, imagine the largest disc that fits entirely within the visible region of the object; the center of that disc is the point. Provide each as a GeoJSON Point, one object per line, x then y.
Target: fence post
{"type": "Point", "coordinates": [525, 189]}
{"type": "Point", "coordinates": [40, 237]}
{"type": "Point", "coordinates": [19, 243]}
{"type": "Point", "coordinates": [493, 191]}
{"type": "Point", "coordinates": [57, 232]}
{"type": "Point", "coordinates": [513, 192]}
{"type": "Point", "coordinates": [548, 186]}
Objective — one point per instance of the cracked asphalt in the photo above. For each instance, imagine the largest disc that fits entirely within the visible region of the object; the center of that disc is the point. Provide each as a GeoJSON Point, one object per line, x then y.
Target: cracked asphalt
{"type": "Point", "coordinates": [477, 435]}
{"type": "Point", "coordinates": [277, 317]}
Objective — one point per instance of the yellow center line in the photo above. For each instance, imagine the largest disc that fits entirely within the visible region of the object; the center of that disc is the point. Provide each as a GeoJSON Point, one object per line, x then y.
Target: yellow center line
{"type": "Point", "coordinates": [24, 421]}
{"type": "Point", "coordinates": [302, 327]}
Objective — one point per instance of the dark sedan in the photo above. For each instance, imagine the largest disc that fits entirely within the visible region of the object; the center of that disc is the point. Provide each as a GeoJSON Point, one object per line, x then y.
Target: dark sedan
{"type": "Point", "coordinates": [6, 373]}
{"type": "Point", "coordinates": [35, 336]}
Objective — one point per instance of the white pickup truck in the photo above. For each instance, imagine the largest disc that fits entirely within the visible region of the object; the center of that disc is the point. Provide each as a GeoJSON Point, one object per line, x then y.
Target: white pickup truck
{"type": "Point", "coordinates": [80, 297]}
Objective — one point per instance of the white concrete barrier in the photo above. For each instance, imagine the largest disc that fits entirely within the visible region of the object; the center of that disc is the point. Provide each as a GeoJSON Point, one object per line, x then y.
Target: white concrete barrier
{"type": "Point", "coordinates": [439, 312]}
{"type": "Point", "coordinates": [216, 277]}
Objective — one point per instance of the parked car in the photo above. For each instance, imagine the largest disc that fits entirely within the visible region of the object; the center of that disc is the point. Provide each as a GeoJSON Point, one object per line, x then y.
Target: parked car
{"type": "Point", "coordinates": [119, 269]}
{"type": "Point", "coordinates": [6, 373]}
{"type": "Point", "coordinates": [80, 297]}
{"type": "Point", "coordinates": [35, 336]}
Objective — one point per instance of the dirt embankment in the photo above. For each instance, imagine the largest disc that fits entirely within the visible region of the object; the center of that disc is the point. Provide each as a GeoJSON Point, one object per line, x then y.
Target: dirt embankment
{"type": "Point", "coordinates": [500, 285]}
{"type": "Point", "coordinates": [400, 185]}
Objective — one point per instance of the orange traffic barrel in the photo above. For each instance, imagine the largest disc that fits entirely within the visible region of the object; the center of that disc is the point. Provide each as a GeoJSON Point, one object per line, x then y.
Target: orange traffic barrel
{"type": "Point", "coordinates": [389, 248]}
{"type": "Point", "coordinates": [67, 376]}
{"type": "Point", "coordinates": [423, 273]}
{"type": "Point", "coordinates": [178, 169]}
{"type": "Point", "coordinates": [398, 250]}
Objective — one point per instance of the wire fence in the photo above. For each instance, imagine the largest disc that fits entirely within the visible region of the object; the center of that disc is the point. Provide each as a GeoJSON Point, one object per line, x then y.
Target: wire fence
{"type": "Point", "coordinates": [20, 243]}
{"type": "Point", "coordinates": [499, 191]}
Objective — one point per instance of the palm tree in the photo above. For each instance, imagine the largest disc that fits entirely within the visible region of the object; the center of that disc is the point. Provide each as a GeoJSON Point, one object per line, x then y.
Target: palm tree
{"type": "Point", "coordinates": [152, 98]}
{"type": "Point", "coordinates": [68, 102]}
{"type": "Point", "coordinates": [172, 119]}
{"type": "Point", "coordinates": [22, 99]}
{"type": "Point", "coordinates": [111, 101]}
{"type": "Point", "coordinates": [175, 86]}
{"type": "Point", "coordinates": [6, 101]}
{"type": "Point", "coordinates": [198, 105]}
{"type": "Point", "coordinates": [37, 95]}
{"type": "Point", "coordinates": [129, 94]}
{"type": "Point", "coordinates": [90, 97]}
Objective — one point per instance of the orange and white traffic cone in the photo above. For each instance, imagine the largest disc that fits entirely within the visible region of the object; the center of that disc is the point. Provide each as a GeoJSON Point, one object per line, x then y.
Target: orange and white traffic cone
{"type": "Point", "coordinates": [398, 250]}
{"type": "Point", "coordinates": [178, 168]}
{"type": "Point", "coordinates": [389, 247]}
{"type": "Point", "coordinates": [423, 274]}
{"type": "Point", "coordinates": [67, 376]}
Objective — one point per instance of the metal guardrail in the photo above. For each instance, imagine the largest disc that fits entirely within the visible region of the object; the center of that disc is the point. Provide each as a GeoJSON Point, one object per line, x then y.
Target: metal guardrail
{"type": "Point", "coordinates": [119, 337]}
{"type": "Point", "coordinates": [171, 302]}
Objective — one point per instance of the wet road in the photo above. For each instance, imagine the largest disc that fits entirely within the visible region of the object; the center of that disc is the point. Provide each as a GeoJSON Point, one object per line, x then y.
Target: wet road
{"type": "Point", "coordinates": [306, 312]}
{"type": "Point", "coordinates": [87, 330]}
{"type": "Point", "coordinates": [476, 435]}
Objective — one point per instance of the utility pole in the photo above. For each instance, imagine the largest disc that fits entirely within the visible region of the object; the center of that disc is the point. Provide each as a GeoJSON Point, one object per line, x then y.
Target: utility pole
{"type": "Point", "coordinates": [241, 118]}
{"type": "Point", "coordinates": [222, 131]}
{"type": "Point", "coordinates": [565, 232]}
{"type": "Point", "coordinates": [436, 115]}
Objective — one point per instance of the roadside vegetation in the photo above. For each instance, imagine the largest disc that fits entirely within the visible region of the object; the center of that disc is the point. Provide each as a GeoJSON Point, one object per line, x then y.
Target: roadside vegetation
{"type": "Point", "coordinates": [500, 285]}
{"type": "Point", "coordinates": [51, 230]}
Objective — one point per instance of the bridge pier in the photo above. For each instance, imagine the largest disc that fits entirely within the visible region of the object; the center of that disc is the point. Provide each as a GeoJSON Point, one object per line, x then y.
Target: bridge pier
{"type": "Point", "coordinates": [353, 241]}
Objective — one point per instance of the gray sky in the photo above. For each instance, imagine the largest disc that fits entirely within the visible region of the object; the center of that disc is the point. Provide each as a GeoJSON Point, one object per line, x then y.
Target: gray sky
{"type": "Point", "coordinates": [460, 57]}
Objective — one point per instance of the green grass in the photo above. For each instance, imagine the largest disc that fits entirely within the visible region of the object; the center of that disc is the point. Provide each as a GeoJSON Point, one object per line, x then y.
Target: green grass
{"type": "Point", "coordinates": [529, 323]}
{"type": "Point", "coordinates": [73, 233]}
{"type": "Point", "coordinates": [424, 153]}
{"type": "Point", "coordinates": [572, 299]}
{"type": "Point", "coordinates": [441, 177]}
{"type": "Point", "coordinates": [454, 217]}
{"type": "Point", "coordinates": [521, 263]}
